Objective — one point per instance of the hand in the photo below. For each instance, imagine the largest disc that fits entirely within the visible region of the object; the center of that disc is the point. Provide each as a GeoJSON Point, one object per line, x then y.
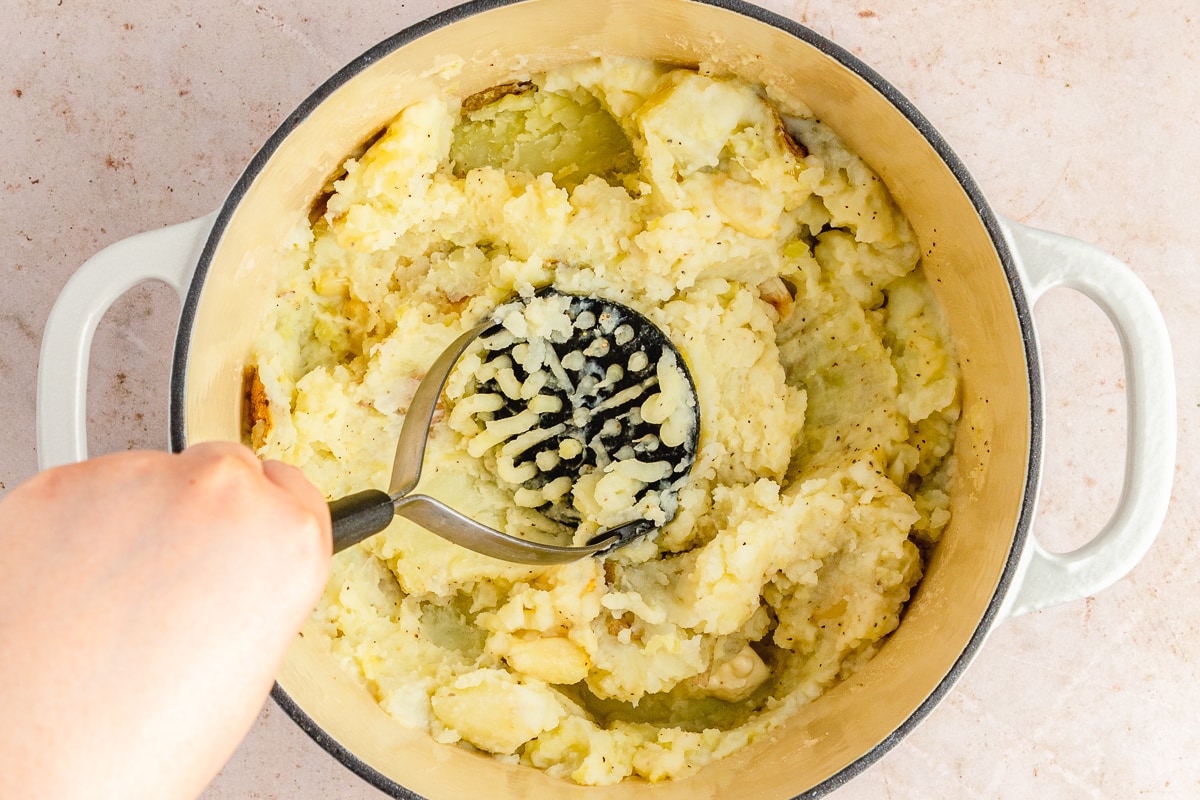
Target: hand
{"type": "Point", "coordinates": [146, 603]}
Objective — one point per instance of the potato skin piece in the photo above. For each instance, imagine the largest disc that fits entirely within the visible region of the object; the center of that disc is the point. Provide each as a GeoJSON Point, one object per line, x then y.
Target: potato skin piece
{"type": "Point", "coordinates": [257, 408]}
{"type": "Point", "coordinates": [490, 95]}
{"type": "Point", "coordinates": [794, 145]}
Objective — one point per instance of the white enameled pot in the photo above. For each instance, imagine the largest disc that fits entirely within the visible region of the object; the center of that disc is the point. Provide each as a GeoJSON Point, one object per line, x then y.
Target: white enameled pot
{"type": "Point", "coordinates": [986, 271]}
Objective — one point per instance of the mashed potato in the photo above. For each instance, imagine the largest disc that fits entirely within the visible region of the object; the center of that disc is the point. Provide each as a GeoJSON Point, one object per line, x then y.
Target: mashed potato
{"type": "Point", "coordinates": [775, 261]}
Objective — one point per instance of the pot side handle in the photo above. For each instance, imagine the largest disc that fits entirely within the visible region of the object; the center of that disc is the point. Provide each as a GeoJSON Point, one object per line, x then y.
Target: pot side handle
{"type": "Point", "coordinates": [1049, 261]}
{"type": "Point", "coordinates": [168, 255]}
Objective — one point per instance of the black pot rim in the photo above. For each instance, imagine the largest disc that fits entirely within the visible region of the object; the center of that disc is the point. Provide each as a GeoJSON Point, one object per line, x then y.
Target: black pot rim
{"type": "Point", "coordinates": [177, 423]}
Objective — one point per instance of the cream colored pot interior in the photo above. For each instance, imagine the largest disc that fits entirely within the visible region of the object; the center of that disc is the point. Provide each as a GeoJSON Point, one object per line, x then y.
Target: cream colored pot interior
{"type": "Point", "coordinates": [961, 262]}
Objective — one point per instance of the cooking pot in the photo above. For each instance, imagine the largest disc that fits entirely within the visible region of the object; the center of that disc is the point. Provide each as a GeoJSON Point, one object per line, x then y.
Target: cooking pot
{"type": "Point", "coordinates": [985, 271]}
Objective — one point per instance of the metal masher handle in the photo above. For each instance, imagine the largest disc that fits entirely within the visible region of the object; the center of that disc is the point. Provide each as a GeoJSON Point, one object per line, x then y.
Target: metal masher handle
{"type": "Point", "coordinates": [365, 514]}
{"type": "Point", "coordinates": [360, 515]}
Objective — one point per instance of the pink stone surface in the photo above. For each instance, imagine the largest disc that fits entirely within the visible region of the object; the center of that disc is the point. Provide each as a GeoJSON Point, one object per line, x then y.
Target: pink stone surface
{"type": "Point", "coordinates": [123, 116]}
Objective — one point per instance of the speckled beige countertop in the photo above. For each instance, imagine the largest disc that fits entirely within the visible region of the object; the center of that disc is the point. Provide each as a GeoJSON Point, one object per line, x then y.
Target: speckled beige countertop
{"type": "Point", "coordinates": [1079, 117]}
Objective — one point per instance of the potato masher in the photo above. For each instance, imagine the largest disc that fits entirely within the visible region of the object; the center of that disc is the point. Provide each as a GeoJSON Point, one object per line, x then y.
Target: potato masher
{"type": "Point", "coordinates": [607, 373]}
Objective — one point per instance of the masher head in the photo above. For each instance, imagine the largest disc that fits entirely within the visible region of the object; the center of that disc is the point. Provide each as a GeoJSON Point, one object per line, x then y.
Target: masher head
{"type": "Point", "coordinates": [588, 411]}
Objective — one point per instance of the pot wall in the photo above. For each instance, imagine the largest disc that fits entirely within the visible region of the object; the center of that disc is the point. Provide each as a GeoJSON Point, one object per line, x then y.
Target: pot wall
{"type": "Point", "coordinates": [948, 617]}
